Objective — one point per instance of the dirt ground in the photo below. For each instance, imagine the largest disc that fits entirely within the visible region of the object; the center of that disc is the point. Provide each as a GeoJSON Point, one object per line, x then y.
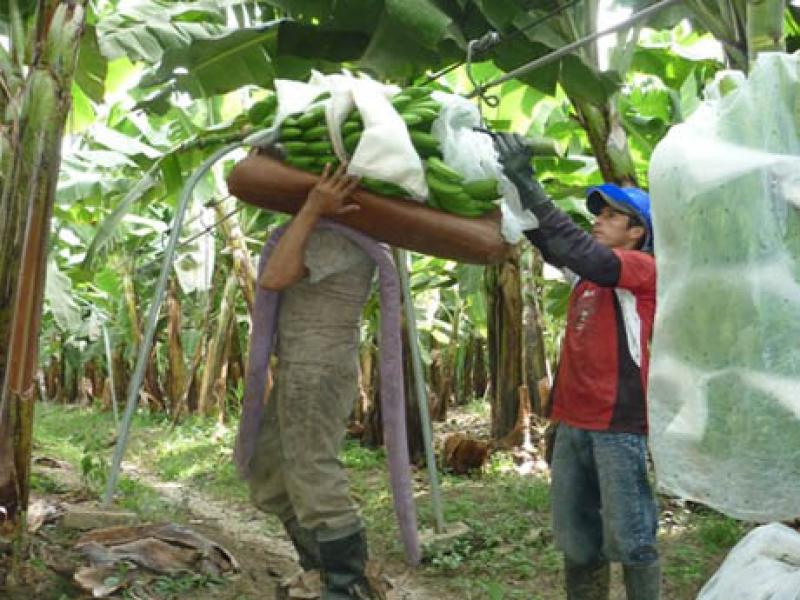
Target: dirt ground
{"type": "Point", "coordinates": [264, 559]}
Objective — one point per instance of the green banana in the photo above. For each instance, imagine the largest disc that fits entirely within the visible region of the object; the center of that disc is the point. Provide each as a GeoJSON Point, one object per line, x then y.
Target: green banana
{"type": "Point", "coordinates": [318, 132]}
{"type": "Point", "coordinates": [321, 161]}
{"type": "Point", "coordinates": [427, 105]}
{"type": "Point", "coordinates": [411, 119]}
{"type": "Point", "coordinates": [294, 146]}
{"type": "Point", "coordinates": [416, 91]}
{"type": "Point", "coordinates": [311, 118]}
{"type": "Point", "coordinates": [451, 197]}
{"type": "Point", "coordinates": [443, 171]}
{"type": "Point", "coordinates": [426, 114]}
{"type": "Point", "coordinates": [291, 133]}
{"type": "Point", "coordinates": [351, 127]}
{"type": "Point", "coordinates": [351, 141]}
{"type": "Point", "coordinates": [322, 147]}
{"type": "Point", "coordinates": [442, 187]}
{"type": "Point", "coordinates": [400, 101]}
{"type": "Point", "coordinates": [484, 190]}
{"type": "Point", "coordinates": [425, 144]}
{"type": "Point", "coordinates": [383, 188]}
{"type": "Point", "coordinates": [462, 204]}
{"type": "Point", "coordinates": [261, 110]}
{"type": "Point", "coordinates": [306, 163]}
{"type": "Point", "coordinates": [433, 202]}
{"type": "Point", "coordinates": [290, 122]}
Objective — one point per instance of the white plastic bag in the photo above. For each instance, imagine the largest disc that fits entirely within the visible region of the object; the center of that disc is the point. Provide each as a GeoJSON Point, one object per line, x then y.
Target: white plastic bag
{"type": "Point", "coordinates": [474, 156]}
{"type": "Point", "coordinates": [765, 565]}
{"type": "Point", "coordinates": [385, 150]}
{"type": "Point", "coordinates": [724, 395]}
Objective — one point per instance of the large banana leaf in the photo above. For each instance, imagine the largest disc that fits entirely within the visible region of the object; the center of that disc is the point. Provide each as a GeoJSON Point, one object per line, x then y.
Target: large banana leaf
{"type": "Point", "coordinates": [92, 66]}
{"type": "Point", "coordinates": [353, 15]}
{"type": "Point", "coordinates": [109, 225]}
{"type": "Point", "coordinates": [254, 56]}
{"type": "Point", "coordinates": [410, 36]}
{"type": "Point", "coordinates": [144, 29]}
{"type": "Point", "coordinates": [792, 28]}
{"type": "Point", "coordinates": [59, 296]}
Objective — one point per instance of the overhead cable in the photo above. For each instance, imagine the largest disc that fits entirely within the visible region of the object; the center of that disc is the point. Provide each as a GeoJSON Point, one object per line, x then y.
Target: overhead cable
{"type": "Point", "coordinates": [564, 50]}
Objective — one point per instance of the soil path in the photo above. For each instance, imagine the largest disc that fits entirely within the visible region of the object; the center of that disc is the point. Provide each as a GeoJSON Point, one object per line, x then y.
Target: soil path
{"type": "Point", "coordinates": [265, 558]}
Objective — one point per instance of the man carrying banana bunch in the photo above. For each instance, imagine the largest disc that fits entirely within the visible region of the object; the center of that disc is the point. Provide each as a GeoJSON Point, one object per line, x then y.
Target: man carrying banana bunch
{"type": "Point", "coordinates": [603, 506]}
{"type": "Point", "coordinates": [324, 280]}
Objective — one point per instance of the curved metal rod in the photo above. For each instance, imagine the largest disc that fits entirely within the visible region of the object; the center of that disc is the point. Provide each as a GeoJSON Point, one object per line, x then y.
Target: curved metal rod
{"type": "Point", "coordinates": [152, 318]}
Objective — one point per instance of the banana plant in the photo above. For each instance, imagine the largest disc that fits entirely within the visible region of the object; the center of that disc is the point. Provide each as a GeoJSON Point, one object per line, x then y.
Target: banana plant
{"type": "Point", "coordinates": [37, 74]}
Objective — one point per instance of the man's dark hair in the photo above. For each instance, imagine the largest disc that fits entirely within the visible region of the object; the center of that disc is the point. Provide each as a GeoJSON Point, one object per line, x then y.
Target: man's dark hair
{"type": "Point", "coordinates": [635, 221]}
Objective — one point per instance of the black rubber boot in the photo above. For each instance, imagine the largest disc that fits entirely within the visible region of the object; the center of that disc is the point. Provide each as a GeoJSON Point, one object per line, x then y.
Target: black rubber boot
{"type": "Point", "coordinates": [305, 542]}
{"type": "Point", "coordinates": [587, 582]}
{"type": "Point", "coordinates": [643, 582]}
{"type": "Point", "coordinates": [343, 563]}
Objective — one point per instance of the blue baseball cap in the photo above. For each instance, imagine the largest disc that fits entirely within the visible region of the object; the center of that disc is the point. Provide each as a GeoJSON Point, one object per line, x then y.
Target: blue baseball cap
{"type": "Point", "coordinates": [629, 200]}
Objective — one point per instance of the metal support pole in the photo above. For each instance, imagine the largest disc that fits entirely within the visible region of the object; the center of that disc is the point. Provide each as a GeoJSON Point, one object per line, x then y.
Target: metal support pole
{"type": "Point", "coordinates": [152, 318]}
{"type": "Point", "coordinates": [110, 363]}
{"type": "Point", "coordinates": [419, 386]}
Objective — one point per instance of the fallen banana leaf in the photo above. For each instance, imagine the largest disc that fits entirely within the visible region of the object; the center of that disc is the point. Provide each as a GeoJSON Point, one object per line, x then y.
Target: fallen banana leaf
{"type": "Point", "coordinates": [144, 550]}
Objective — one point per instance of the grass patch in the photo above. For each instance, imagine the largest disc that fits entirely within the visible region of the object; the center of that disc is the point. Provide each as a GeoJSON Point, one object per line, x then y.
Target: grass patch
{"type": "Point", "coordinates": [508, 552]}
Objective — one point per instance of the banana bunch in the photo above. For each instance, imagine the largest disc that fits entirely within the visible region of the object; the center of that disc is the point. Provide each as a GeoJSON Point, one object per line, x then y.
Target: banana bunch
{"type": "Point", "coordinates": [307, 145]}
{"type": "Point", "coordinates": [449, 192]}
{"type": "Point", "coordinates": [306, 141]}
{"type": "Point", "coordinates": [262, 113]}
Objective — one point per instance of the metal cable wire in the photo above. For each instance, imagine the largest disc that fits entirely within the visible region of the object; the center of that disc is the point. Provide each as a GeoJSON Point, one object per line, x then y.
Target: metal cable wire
{"type": "Point", "coordinates": [489, 41]}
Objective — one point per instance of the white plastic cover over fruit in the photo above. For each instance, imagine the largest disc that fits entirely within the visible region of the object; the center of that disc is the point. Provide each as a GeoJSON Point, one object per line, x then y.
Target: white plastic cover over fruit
{"type": "Point", "coordinates": [473, 155]}
{"type": "Point", "coordinates": [765, 564]}
{"type": "Point", "coordinates": [385, 150]}
{"type": "Point", "coordinates": [724, 395]}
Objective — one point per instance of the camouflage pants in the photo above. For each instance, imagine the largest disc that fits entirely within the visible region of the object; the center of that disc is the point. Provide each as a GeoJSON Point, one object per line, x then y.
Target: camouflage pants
{"type": "Point", "coordinates": [295, 470]}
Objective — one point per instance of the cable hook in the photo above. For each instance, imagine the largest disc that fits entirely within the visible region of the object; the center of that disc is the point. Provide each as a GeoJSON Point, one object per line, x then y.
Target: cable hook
{"type": "Point", "coordinates": [477, 47]}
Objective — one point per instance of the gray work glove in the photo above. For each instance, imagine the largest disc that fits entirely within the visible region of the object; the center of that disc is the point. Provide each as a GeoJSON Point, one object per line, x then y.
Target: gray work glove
{"type": "Point", "coordinates": [515, 156]}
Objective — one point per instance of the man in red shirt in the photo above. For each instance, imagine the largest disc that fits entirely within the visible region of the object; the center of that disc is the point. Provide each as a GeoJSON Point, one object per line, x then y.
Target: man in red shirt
{"type": "Point", "coordinates": [603, 506]}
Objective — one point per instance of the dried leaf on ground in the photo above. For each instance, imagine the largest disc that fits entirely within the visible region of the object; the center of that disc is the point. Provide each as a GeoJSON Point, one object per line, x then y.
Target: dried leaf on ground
{"type": "Point", "coordinates": [40, 512]}
{"type": "Point", "coordinates": [164, 549]}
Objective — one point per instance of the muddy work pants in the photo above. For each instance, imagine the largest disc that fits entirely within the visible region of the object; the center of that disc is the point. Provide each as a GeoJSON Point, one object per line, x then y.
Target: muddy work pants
{"type": "Point", "coordinates": [295, 471]}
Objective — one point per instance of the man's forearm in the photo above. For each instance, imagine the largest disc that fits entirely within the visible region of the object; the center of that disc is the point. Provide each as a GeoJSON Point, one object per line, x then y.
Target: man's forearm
{"type": "Point", "coordinates": [564, 244]}
{"type": "Point", "coordinates": [286, 264]}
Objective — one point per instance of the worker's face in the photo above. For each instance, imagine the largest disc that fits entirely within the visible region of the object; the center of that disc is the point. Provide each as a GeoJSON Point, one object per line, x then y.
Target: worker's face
{"type": "Point", "coordinates": [615, 229]}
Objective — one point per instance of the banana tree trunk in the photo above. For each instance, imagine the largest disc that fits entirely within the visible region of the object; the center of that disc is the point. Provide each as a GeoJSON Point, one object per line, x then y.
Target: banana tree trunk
{"type": "Point", "coordinates": [26, 200]}
{"type": "Point", "coordinates": [366, 355]}
{"type": "Point", "coordinates": [505, 332]}
{"type": "Point", "coordinates": [447, 382]}
{"type": "Point", "coordinates": [535, 355]}
{"type": "Point", "coordinates": [152, 392]}
{"type": "Point", "coordinates": [373, 422]}
{"type": "Point", "coordinates": [216, 347]}
{"type": "Point", "coordinates": [129, 292]}
{"type": "Point", "coordinates": [176, 376]}
{"type": "Point", "coordinates": [608, 141]}
{"type": "Point", "coordinates": [242, 265]}
{"type": "Point", "coordinates": [416, 445]}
